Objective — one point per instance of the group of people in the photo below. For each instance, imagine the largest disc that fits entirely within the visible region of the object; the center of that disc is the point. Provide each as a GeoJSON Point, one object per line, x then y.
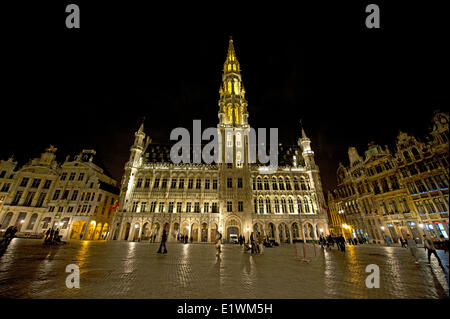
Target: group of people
{"type": "Point", "coordinates": [184, 238]}
{"type": "Point", "coordinates": [255, 246]}
{"type": "Point", "coordinates": [340, 242]}
{"type": "Point", "coordinates": [52, 236]}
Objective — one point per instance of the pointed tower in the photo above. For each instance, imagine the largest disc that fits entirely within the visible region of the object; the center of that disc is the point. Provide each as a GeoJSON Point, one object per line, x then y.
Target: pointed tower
{"type": "Point", "coordinates": [132, 166]}
{"type": "Point", "coordinates": [312, 170]}
{"type": "Point", "coordinates": [305, 143]}
{"type": "Point", "coordinates": [232, 103]}
{"type": "Point", "coordinates": [233, 115]}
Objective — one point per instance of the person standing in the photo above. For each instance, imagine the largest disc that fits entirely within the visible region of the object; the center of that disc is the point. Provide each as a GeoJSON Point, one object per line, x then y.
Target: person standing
{"type": "Point", "coordinates": [428, 245]}
{"type": "Point", "coordinates": [163, 243]}
{"type": "Point", "coordinates": [412, 247]}
{"type": "Point", "coordinates": [47, 233]}
{"type": "Point", "coordinates": [56, 235]}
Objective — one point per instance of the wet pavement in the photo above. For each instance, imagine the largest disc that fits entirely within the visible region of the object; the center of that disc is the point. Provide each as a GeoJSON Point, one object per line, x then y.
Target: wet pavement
{"type": "Point", "coordinates": [29, 269]}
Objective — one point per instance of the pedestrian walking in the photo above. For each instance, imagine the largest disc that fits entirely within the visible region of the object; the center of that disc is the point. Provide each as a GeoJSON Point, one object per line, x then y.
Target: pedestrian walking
{"type": "Point", "coordinates": [403, 242]}
{"type": "Point", "coordinates": [412, 245]}
{"type": "Point", "coordinates": [429, 245]}
{"type": "Point", "coordinates": [218, 244]}
{"type": "Point", "coordinates": [163, 243]}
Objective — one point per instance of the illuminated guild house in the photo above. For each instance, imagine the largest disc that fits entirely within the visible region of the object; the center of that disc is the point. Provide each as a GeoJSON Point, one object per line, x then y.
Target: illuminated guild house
{"type": "Point", "coordinates": [74, 196]}
{"type": "Point", "coordinates": [385, 195]}
{"type": "Point", "coordinates": [197, 200]}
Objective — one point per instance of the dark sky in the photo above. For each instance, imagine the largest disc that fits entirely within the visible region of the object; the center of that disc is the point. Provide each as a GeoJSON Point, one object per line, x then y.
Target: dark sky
{"type": "Point", "coordinates": [88, 88]}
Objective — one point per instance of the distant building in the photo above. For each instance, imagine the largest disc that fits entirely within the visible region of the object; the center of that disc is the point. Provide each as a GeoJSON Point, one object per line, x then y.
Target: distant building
{"type": "Point", "coordinates": [236, 198]}
{"type": "Point", "coordinates": [385, 196]}
{"type": "Point", "coordinates": [74, 197]}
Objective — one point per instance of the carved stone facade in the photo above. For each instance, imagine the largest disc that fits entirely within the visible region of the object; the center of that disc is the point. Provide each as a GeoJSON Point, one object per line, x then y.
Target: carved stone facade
{"type": "Point", "coordinates": [74, 196]}
{"type": "Point", "coordinates": [239, 197]}
{"type": "Point", "coordinates": [387, 195]}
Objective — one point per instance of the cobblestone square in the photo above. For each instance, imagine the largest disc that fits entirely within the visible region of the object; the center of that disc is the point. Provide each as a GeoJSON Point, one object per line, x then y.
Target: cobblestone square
{"type": "Point", "coordinates": [119, 269]}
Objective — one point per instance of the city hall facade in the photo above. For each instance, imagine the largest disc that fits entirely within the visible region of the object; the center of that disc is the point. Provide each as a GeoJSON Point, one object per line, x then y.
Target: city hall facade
{"type": "Point", "coordinates": [232, 196]}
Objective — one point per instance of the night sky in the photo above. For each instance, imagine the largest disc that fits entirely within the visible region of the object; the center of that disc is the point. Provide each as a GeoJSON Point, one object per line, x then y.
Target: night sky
{"type": "Point", "coordinates": [89, 88]}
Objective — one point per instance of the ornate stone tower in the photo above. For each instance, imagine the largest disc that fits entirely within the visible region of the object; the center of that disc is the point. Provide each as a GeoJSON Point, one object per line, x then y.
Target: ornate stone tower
{"type": "Point", "coordinates": [232, 129]}
{"type": "Point", "coordinates": [132, 166]}
{"type": "Point", "coordinates": [312, 169]}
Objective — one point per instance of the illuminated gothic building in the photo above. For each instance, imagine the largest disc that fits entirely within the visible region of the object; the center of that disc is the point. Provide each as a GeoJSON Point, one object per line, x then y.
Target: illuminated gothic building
{"type": "Point", "coordinates": [198, 200]}
{"type": "Point", "coordinates": [73, 197]}
{"type": "Point", "coordinates": [385, 195]}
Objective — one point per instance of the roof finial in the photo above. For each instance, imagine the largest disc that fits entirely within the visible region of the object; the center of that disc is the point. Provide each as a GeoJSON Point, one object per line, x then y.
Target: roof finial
{"type": "Point", "coordinates": [141, 128]}
{"type": "Point", "coordinates": [303, 131]}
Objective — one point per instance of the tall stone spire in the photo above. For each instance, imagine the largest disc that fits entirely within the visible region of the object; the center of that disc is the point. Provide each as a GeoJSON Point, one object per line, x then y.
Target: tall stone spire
{"type": "Point", "coordinates": [233, 106]}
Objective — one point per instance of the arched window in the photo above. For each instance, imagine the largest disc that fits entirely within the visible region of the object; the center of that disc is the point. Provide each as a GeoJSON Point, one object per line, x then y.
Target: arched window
{"type": "Point", "coordinates": [261, 206]}
{"type": "Point", "coordinates": [229, 140]}
{"type": "Point", "coordinates": [283, 205]}
{"type": "Point", "coordinates": [268, 207]}
{"type": "Point", "coordinates": [229, 87]}
{"type": "Point", "coordinates": [238, 137]}
{"type": "Point", "coordinates": [406, 156]}
{"type": "Point", "coordinates": [303, 184]}
{"type": "Point", "coordinates": [32, 221]}
{"type": "Point", "coordinates": [277, 205]}
{"type": "Point", "coordinates": [234, 67]}
{"type": "Point", "coordinates": [415, 153]}
{"type": "Point", "coordinates": [274, 184]}
{"type": "Point", "coordinates": [306, 205]}
{"type": "Point", "coordinates": [266, 183]}
{"type": "Point", "coordinates": [299, 205]}
{"type": "Point", "coordinates": [296, 186]}
{"type": "Point", "coordinates": [259, 183]}
{"type": "Point", "coordinates": [281, 184]}
{"type": "Point", "coordinates": [291, 205]}
{"type": "Point", "coordinates": [229, 67]}
{"type": "Point", "coordinates": [236, 87]}
{"type": "Point", "coordinates": [288, 184]}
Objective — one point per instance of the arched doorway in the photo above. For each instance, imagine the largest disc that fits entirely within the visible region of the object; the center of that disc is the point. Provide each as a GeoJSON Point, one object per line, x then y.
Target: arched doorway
{"type": "Point", "coordinates": [91, 230]}
{"type": "Point", "coordinates": [271, 231]}
{"type": "Point", "coordinates": [145, 235]}
{"type": "Point", "coordinates": [185, 229]}
{"type": "Point", "coordinates": [155, 232]}
{"type": "Point", "coordinates": [194, 232]}
{"type": "Point", "coordinates": [295, 232]}
{"type": "Point", "coordinates": [204, 232]}
{"type": "Point", "coordinates": [176, 231]}
{"type": "Point", "coordinates": [78, 229]}
{"type": "Point", "coordinates": [136, 231]}
{"type": "Point", "coordinates": [233, 228]}
{"type": "Point", "coordinates": [126, 231]}
{"type": "Point", "coordinates": [213, 235]}
{"type": "Point", "coordinates": [98, 231]}
{"type": "Point", "coordinates": [309, 231]}
{"type": "Point", "coordinates": [284, 233]}
{"type": "Point", "coordinates": [104, 232]}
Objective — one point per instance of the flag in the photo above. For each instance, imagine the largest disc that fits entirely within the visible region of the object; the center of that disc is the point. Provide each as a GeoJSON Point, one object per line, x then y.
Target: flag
{"type": "Point", "coordinates": [324, 206]}
{"type": "Point", "coordinates": [115, 204]}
